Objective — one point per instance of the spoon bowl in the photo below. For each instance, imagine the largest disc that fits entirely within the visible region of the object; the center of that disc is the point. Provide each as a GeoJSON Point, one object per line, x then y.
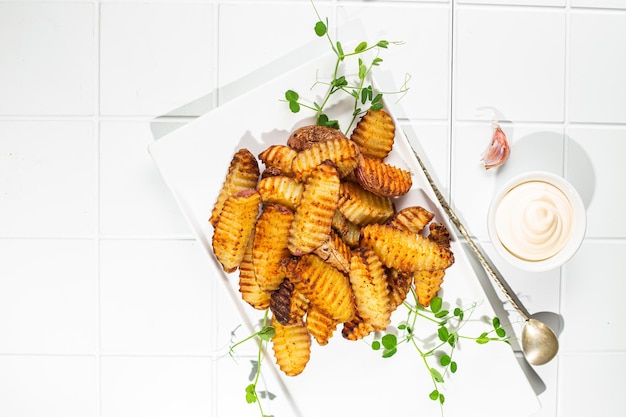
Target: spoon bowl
{"type": "Point", "coordinates": [539, 343]}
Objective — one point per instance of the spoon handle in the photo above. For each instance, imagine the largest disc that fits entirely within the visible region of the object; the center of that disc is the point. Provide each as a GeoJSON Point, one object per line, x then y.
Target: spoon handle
{"type": "Point", "coordinates": [479, 254]}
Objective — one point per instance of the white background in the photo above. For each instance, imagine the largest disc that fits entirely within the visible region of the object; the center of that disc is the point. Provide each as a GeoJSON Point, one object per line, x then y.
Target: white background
{"type": "Point", "coordinates": [106, 308]}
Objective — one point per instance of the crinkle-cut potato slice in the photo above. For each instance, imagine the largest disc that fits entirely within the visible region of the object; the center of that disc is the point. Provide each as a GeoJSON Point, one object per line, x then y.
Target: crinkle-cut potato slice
{"type": "Point", "coordinates": [324, 286]}
{"type": "Point", "coordinates": [234, 226]}
{"type": "Point", "coordinates": [349, 232]}
{"type": "Point", "coordinates": [369, 284]}
{"type": "Point", "coordinates": [292, 347]}
{"type": "Point", "coordinates": [314, 214]}
{"type": "Point", "coordinates": [287, 304]}
{"type": "Point", "coordinates": [399, 284]}
{"type": "Point", "coordinates": [374, 134]}
{"type": "Point", "coordinates": [320, 325]}
{"type": "Point", "coordinates": [249, 288]}
{"type": "Point", "coordinates": [440, 234]}
{"type": "Point", "coordinates": [336, 252]}
{"type": "Point", "coordinates": [340, 151]}
{"type": "Point", "coordinates": [270, 245]}
{"type": "Point", "coordinates": [279, 156]}
{"type": "Point", "coordinates": [412, 218]}
{"type": "Point", "coordinates": [305, 136]}
{"type": "Point", "coordinates": [381, 178]}
{"type": "Point", "coordinates": [362, 207]}
{"type": "Point", "coordinates": [428, 284]}
{"type": "Point", "coordinates": [356, 329]}
{"type": "Point", "coordinates": [243, 173]}
{"type": "Point", "coordinates": [280, 189]}
{"type": "Point", "coordinates": [405, 251]}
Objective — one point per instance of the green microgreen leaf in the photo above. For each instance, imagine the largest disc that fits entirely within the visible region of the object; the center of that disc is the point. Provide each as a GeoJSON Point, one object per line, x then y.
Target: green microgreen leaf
{"type": "Point", "coordinates": [436, 375]}
{"type": "Point", "coordinates": [376, 345]}
{"type": "Point", "coordinates": [251, 396]}
{"type": "Point", "coordinates": [445, 360]}
{"type": "Point", "coordinates": [340, 52]}
{"type": "Point", "coordinates": [360, 47]}
{"type": "Point", "coordinates": [266, 333]}
{"type": "Point", "coordinates": [382, 44]}
{"type": "Point", "coordinates": [495, 322]}
{"type": "Point", "coordinates": [453, 367]}
{"type": "Point", "coordinates": [483, 338]}
{"type": "Point", "coordinates": [291, 95]}
{"type": "Point", "coordinates": [435, 304]}
{"type": "Point", "coordinates": [389, 341]}
{"type": "Point", "coordinates": [389, 353]}
{"type": "Point", "coordinates": [434, 395]}
{"type": "Point", "coordinates": [443, 334]}
{"type": "Point", "coordinates": [320, 29]}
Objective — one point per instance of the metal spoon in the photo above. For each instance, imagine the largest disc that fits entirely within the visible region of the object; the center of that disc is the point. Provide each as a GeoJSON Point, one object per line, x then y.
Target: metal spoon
{"type": "Point", "coordinates": [539, 342]}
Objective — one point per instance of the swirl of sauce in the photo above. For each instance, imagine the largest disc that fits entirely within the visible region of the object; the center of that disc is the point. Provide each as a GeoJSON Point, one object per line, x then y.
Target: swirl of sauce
{"type": "Point", "coordinates": [533, 220]}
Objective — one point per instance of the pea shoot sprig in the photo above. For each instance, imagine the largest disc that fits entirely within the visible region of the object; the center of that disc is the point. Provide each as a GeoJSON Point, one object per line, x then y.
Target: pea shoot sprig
{"type": "Point", "coordinates": [363, 94]}
{"type": "Point", "coordinates": [262, 337]}
{"type": "Point", "coordinates": [438, 359]}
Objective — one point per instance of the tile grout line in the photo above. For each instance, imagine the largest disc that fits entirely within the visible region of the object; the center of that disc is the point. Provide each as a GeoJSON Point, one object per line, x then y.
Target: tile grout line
{"type": "Point", "coordinates": [97, 95]}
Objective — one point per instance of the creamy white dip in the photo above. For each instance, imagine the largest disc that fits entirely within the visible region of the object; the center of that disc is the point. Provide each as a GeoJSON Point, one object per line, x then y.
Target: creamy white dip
{"type": "Point", "coordinates": [533, 220]}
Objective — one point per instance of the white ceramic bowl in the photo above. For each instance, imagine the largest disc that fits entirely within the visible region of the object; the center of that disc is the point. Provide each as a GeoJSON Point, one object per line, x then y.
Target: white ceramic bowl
{"type": "Point", "coordinates": [537, 221]}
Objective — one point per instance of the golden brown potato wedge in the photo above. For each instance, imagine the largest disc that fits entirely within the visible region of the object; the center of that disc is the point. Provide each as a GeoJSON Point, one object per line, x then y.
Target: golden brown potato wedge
{"type": "Point", "coordinates": [234, 227]}
{"type": "Point", "coordinates": [270, 245]}
{"type": "Point", "coordinates": [292, 347]}
{"type": "Point", "coordinates": [374, 134]}
{"type": "Point", "coordinates": [341, 152]}
{"type": "Point", "coordinates": [428, 284]}
{"type": "Point", "coordinates": [369, 284]}
{"type": "Point", "coordinates": [243, 173]}
{"type": "Point", "coordinates": [320, 325]}
{"type": "Point", "coordinates": [350, 232]}
{"type": "Point", "coordinates": [249, 288]}
{"type": "Point", "coordinates": [399, 284]}
{"type": "Point", "coordinates": [313, 217]}
{"type": "Point", "coordinates": [382, 179]}
{"type": "Point", "coordinates": [356, 329]}
{"type": "Point", "coordinates": [405, 251]}
{"type": "Point", "coordinates": [280, 157]}
{"type": "Point", "coordinates": [324, 286]}
{"type": "Point", "coordinates": [412, 218]}
{"type": "Point", "coordinates": [363, 207]}
{"type": "Point", "coordinates": [280, 189]}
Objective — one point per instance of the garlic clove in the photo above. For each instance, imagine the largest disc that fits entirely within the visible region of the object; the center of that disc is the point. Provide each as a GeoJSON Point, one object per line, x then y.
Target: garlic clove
{"type": "Point", "coordinates": [498, 151]}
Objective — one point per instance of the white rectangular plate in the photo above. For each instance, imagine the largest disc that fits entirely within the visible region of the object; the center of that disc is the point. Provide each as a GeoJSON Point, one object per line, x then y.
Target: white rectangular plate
{"type": "Point", "coordinates": [342, 377]}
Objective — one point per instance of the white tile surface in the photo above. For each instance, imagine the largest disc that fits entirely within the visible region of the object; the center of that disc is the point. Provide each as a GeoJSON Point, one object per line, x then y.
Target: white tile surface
{"type": "Point", "coordinates": [48, 296]}
{"type": "Point", "coordinates": [133, 198]}
{"type": "Point", "coordinates": [154, 57]}
{"type": "Point", "coordinates": [272, 36]}
{"type": "Point", "coordinates": [424, 53]}
{"type": "Point", "coordinates": [48, 57]}
{"type": "Point", "coordinates": [583, 286]}
{"type": "Point", "coordinates": [595, 166]}
{"type": "Point", "coordinates": [107, 305]}
{"type": "Point", "coordinates": [511, 60]}
{"type": "Point", "coordinates": [52, 386]}
{"type": "Point", "coordinates": [45, 190]}
{"type": "Point", "coordinates": [154, 297]}
{"type": "Point", "coordinates": [156, 386]}
{"type": "Point", "coordinates": [592, 385]}
{"type": "Point", "coordinates": [597, 86]}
